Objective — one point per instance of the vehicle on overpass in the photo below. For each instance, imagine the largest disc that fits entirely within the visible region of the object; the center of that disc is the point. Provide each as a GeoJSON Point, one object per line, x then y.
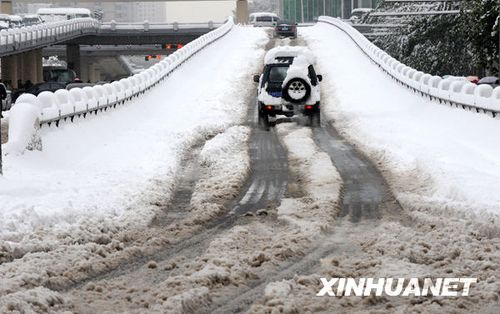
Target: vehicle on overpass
{"type": "Point", "coordinates": [288, 86]}
{"type": "Point", "coordinates": [4, 21]}
{"type": "Point", "coordinates": [31, 19]}
{"type": "Point", "coordinates": [285, 29]}
{"type": "Point", "coordinates": [16, 21]}
{"type": "Point", "coordinates": [61, 14]}
{"type": "Point", "coordinates": [59, 74]}
{"type": "Point", "coordinates": [263, 19]}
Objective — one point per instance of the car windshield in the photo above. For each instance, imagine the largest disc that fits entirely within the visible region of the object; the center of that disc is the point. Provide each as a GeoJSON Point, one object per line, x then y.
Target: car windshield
{"type": "Point", "coordinates": [277, 74]}
{"type": "Point", "coordinates": [264, 19]}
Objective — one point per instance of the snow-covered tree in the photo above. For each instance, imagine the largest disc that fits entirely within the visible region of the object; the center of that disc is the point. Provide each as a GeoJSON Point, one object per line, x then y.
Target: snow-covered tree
{"type": "Point", "coordinates": [461, 44]}
{"type": "Point", "coordinates": [480, 23]}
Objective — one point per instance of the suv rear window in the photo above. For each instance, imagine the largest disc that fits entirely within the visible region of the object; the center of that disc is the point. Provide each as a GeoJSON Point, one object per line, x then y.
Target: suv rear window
{"type": "Point", "coordinates": [277, 74]}
{"type": "Point", "coordinates": [264, 19]}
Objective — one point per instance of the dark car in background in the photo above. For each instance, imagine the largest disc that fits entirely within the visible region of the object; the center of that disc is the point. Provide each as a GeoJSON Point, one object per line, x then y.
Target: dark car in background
{"type": "Point", "coordinates": [286, 29]}
{"type": "Point", "coordinates": [37, 89]}
{"type": "Point", "coordinates": [489, 80]}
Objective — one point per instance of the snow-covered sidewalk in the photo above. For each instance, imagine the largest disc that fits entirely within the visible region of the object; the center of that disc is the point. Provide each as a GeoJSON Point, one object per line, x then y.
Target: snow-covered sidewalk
{"type": "Point", "coordinates": [105, 167]}
{"type": "Point", "coordinates": [435, 156]}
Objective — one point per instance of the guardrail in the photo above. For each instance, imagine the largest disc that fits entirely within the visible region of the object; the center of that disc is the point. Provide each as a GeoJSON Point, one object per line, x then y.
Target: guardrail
{"type": "Point", "coordinates": [459, 93]}
{"type": "Point", "coordinates": [32, 112]}
{"type": "Point", "coordinates": [147, 26]}
{"type": "Point", "coordinates": [27, 38]}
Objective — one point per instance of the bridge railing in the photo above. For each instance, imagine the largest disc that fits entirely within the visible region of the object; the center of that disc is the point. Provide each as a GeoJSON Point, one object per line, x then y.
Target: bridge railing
{"type": "Point", "coordinates": [456, 92]}
{"type": "Point", "coordinates": [30, 112]}
{"type": "Point", "coordinates": [147, 26]}
{"type": "Point", "coordinates": [44, 34]}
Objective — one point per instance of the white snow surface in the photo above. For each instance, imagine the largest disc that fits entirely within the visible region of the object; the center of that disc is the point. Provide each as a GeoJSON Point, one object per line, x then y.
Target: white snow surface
{"type": "Point", "coordinates": [98, 168]}
{"type": "Point", "coordinates": [437, 156]}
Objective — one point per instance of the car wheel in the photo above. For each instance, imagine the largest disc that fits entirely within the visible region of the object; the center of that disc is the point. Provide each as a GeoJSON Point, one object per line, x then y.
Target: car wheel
{"type": "Point", "coordinates": [296, 90]}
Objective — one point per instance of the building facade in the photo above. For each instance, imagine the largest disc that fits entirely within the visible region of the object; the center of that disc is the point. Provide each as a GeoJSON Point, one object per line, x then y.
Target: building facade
{"type": "Point", "coordinates": [303, 11]}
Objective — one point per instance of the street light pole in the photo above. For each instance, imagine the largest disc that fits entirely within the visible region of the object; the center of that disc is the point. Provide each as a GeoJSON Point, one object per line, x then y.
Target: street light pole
{"type": "Point", "coordinates": [302, 11]}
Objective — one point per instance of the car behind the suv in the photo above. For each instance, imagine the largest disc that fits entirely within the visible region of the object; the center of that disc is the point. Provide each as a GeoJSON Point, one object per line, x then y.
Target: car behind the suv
{"type": "Point", "coordinates": [288, 85]}
{"type": "Point", "coordinates": [286, 29]}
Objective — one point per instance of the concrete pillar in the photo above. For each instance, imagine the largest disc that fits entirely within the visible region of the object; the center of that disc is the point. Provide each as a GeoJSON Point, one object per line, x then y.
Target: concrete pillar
{"type": "Point", "coordinates": [39, 66]}
{"type": "Point", "coordinates": [73, 58]}
{"type": "Point", "coordinates": [29, 67]}
{"type": "Point", "coordinates": [6, 7]}
{"type": "Point", "coordinates": [10, 70]}
{"type": "Point", "coordinates": [84, 70]}
{"type": "Point", "coordinates": [92, 76]}
{"type": "Point", "coordinates": [97, 75]}
{"type": "Point", "coordinates": [242, 11]}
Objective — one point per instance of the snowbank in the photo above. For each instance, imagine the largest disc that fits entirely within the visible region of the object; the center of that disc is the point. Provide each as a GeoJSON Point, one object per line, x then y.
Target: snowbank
{"type": "Point", "coordinates": [437, 156]}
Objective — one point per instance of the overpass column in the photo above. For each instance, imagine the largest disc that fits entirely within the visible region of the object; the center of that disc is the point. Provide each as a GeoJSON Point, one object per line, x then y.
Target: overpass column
{"type": "Point", "coordinates": [10, 70]}
{"type": "Point", "coordinates": [92, 73]}
{"type": "Point", "coordinates": [39, 66]}
{"type": "Point", "coordinates": [73, 58]}
{"type": "Point", "coordinates": [242, 11]}
{"type": "Point", "coordinates": [6, 7]}
{"type": "Point", "coordinates": [97, 75]}
{"type": "Point", "coordinates": [84, 69]}
{"type": "Point", "coordinates": [29, 70]}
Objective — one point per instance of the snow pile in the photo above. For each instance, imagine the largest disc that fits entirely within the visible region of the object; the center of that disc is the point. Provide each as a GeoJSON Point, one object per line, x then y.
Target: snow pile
{"type": "Point", "coordinates": [38, 300]}
{"type": "Point", "coordinates": [226, 162]}
{"type": "Point", "coordinates": [319, 180]}
{"type": "Point", "coordinates": [436, 157]}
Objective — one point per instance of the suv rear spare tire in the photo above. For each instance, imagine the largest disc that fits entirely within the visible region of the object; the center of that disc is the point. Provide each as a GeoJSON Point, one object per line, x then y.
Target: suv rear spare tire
{"type": "Point", "coordinates": [296, 90]}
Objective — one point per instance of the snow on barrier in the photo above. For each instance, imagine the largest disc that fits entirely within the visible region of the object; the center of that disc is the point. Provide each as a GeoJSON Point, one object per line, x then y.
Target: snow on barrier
{"type": "Point", "coordinates": [454, 91]}
{"type": "Point", "coordinates": [31, 112]}
{"type": "Point", "coordinates": [25, 38]}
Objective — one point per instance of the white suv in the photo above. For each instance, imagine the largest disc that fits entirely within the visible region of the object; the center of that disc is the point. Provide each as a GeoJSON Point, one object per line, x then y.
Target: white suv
{"type": "Point", "coordinates": [288, 85]}
{"type": "Point", "coordinates": [263, 19]}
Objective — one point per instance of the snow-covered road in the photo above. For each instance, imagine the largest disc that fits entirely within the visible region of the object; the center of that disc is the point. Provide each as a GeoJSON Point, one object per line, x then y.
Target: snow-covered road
{"type": "Point", "coordinates": [195, 208]}
{"type": "Point", "coordinates": [436, 156]}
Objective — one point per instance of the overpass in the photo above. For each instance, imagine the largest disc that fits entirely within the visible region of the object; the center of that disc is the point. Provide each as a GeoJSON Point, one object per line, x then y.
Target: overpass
{"type": "Point", "coordinates": [21, 49]}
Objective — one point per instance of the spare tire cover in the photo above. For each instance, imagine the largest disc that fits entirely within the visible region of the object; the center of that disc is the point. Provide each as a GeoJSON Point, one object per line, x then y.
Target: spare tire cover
{"type": "Point", "coordinates": [296, 90]}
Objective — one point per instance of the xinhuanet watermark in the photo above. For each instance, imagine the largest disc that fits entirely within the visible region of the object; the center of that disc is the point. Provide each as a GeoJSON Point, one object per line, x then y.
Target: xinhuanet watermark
{"type": "Point", "coordinates": [445, 287]}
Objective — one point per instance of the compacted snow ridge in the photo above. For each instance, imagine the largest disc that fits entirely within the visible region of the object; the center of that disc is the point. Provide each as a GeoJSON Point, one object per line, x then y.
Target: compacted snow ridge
{"type": "Point", "coordinates": [436, 158]}
{"type": "Point", "coordinates": [318, 179]}
{"type": "Point", "coordinates": [85, 204]}
{"type": "Point", "coordinates": [225, 158]}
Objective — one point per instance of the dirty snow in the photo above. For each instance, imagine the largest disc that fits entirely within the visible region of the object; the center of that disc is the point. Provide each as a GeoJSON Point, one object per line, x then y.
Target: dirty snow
{"type": "Point", "coordinates": [236, 256]}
